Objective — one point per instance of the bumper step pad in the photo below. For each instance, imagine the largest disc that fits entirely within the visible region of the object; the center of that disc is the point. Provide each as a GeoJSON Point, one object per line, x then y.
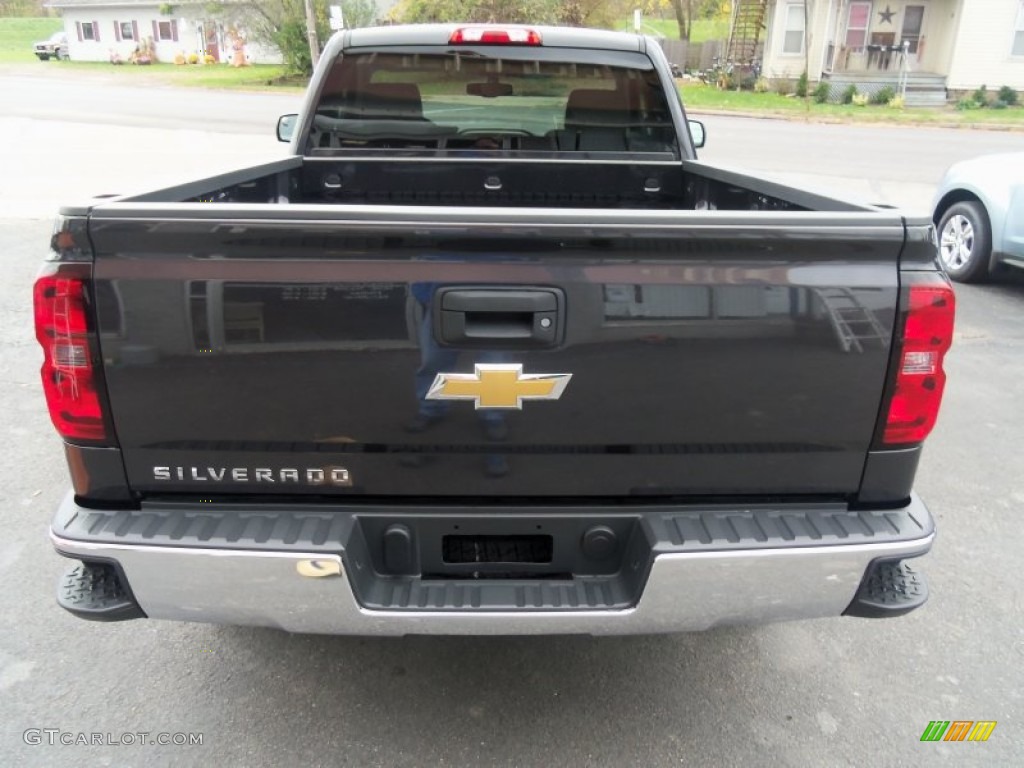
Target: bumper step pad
{"type": "Point", "coordinates": [889, 589]}
{"type": "Point", "coordinates": [94, 591]}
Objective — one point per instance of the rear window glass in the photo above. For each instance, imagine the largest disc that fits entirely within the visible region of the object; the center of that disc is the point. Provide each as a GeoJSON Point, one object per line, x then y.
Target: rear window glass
{"type": "Point", "coordinates": [467, 101]}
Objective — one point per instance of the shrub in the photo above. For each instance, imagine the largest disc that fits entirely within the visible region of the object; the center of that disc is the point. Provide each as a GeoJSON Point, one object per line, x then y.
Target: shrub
{"type": "Point", "coordinates": [1008, 96]}
{"type": "Point", "coordinates": [193, 58]}
{"type": "Point", "coordinates": [980, 97]}
{"type": "Point", "coordinates": [821, 92]}
{"type": "Point", "coordinates": [208, 59]}
{"type": "Point", "coordinates": [761, 85]}
{"type": "Point", "coordinates": [801, 84]}
{"type": "Point", "coordinates": [966, 104]}
{"type": "Point", "coordinates": [783, 87]}
{"type": "Point", "coordinates": [860, 100]}
{"type": "Point", "coordinates": [897, 102]}
{"type": "Point", "coordinates": [743, 79]}
{"type": "Point", "coordinates": [883, 95]}
{"type": "Point", "coordinates": [849, 94]}
{"type": "Point", "coordinates": [999, 104]}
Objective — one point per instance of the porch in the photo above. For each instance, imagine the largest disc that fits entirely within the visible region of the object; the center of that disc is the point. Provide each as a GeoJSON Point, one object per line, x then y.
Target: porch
{"type": "Point", "coordinates": [877, 43]}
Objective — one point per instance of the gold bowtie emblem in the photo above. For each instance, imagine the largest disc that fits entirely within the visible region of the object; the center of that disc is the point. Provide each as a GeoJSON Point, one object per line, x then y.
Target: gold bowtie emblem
{"type": "Point", "coordinates": [498, 386]}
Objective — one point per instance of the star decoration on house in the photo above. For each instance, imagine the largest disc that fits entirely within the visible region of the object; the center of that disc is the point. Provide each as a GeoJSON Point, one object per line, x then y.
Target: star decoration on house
{"type": "Point", "coordinates": [887, 15]}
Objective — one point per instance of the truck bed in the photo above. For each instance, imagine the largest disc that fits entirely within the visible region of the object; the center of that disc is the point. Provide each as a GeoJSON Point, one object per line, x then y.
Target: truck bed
{"type": "Point", "coordinates": [458, 179]}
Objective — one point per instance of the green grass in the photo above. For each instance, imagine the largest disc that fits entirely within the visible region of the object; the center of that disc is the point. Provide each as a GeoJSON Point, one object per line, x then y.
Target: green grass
{"type": "Point", "coordinates": [255, 77]}
{"type": "Point", "coordinates": [17, 36]}
{"type": "Point", "coordinates": [697, 96]}
{"type": "Point", "coordinates": [702, 30]}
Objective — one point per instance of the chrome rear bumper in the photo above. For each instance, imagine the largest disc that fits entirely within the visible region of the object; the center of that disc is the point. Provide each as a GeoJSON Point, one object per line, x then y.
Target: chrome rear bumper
{"type": "Point", "coordinates": [310, 591]}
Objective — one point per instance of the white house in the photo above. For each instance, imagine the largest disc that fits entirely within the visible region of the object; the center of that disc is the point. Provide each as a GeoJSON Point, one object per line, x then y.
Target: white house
{"type": "Point", "coordinates": [96, 29]}
{"type": "Point", "coordinates": [957, 44]}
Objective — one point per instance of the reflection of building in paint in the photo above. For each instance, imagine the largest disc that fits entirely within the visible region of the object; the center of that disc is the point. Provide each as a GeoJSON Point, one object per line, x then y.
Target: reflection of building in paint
{"type": "Point", "coordinates": [220, 316]}
{"type": "Point", "coordinates": [685, 310]}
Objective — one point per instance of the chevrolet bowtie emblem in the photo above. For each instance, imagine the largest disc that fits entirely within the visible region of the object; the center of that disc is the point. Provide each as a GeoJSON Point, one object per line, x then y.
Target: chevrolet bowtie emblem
{"type": "Point", "coordinates": [498, 386]}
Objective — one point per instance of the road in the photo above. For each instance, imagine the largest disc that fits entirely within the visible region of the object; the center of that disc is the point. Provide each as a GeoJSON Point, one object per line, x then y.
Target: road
{"type": "Point", "coordinates": [832, 692]}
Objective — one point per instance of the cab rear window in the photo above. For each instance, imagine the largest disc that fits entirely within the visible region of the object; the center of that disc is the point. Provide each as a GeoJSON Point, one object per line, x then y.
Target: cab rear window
{"type": "Point", "coordinates": [468, 101]}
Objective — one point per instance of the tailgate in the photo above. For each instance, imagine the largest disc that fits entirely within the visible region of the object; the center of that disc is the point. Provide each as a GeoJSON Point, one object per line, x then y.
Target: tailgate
{"type": "Point", "coordinates": [710, 353]}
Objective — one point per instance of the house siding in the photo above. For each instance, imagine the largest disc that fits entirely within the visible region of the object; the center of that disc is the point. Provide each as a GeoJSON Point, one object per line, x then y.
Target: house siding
{"type": "Point", "coordinates": [982, 52]}
{"type": "Point", "coordinates": [145, 18]}
{"type": "Point", "coordinates": [778, 64]}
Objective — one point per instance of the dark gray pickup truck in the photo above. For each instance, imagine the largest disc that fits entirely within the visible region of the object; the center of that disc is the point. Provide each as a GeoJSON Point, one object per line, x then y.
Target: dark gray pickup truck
{"type": "Point", "coordinates": [491, 352]}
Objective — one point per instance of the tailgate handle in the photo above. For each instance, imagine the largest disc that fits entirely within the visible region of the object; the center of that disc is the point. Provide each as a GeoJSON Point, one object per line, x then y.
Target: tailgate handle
{"type": "Point", "coordinates": [498, 318]}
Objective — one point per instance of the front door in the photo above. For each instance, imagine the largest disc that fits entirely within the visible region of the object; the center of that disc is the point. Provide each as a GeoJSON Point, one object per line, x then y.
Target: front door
{"type": "Point", "coordinates": [211, 43]}
{"type": "Point", "coordinates": [910, 34]}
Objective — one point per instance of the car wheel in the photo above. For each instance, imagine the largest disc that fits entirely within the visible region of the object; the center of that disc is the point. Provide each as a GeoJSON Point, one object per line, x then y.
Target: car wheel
{"type": "Point", "coordinates": [965, 242]}
{"type": "Point", "coordinates": [43, 57]}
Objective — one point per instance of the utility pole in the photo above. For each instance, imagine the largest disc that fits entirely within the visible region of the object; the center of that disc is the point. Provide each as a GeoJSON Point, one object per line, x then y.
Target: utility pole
{"type": "Point", "coordinates": [314, 44]}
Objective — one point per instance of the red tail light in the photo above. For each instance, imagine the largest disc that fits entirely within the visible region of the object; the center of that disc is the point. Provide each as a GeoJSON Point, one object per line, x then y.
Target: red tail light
{"type": "Point", "coordinates": [494, 36]}
{"type": "Point", "coordinates": [927, 335]}
{"type": "Point", "coordinates": [69, 379]}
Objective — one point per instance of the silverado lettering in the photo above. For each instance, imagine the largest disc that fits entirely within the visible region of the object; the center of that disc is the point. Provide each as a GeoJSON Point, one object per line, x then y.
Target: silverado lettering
{"type": "Point", "coordinates": [468, 217]}
{"type": "Point", "coordinates": [313, 476]}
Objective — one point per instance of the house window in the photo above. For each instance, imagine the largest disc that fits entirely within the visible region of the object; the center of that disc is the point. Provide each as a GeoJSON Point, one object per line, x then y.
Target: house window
{"type": "Point", "coordinates": [88, 30]}
{"type": "Point", "coordinates": [166, 30]}
{"type": "Point", "coordinates": [857, 25]}
{"type": "Point", "coordinates": [125, 30]}
{"type": "Point", "coordinates": [1018, 32]}
{"type": "Point", "coordinates": [793, 40]}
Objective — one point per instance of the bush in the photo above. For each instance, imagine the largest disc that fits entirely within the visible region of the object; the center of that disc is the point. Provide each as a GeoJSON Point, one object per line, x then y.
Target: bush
{"type": "Point", "coordinates": [762, 85]}
{"type": "Point", "coordinates": [897, 102]}
{"type": "Point", "coordinates": [980, 97]}
{"type": "Point", "coordinates": [821, 92]}
{"type": "Point", "coordinates": [860, 100]}
{"type": "Point", "coordinates": [883, 95]}
{"type": "Point", "coordinates": [801, 84]}
{"type": "Point", "coordinates": [1000, 104]}
{"type": "Point", "coordinates": [783, 87]}
{"type": "Point", "coordinates": [849, 94]}
{"type": "Point", "coordinates": [966, 104]}
{"type": "Point", "coordinates": [1008, 96]}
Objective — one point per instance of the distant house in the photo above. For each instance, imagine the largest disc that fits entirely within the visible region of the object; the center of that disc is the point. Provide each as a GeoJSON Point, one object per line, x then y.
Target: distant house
{"type": "Point", "coordinates": [96, 29]}
{"type": "Point", "coordinates": [957, 45]}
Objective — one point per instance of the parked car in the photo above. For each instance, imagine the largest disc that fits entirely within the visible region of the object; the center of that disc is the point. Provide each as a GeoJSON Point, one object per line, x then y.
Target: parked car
{"type": "Point", "coordinates": [979, 210]}
{"type": "Point", "coordinates": [55, 47]}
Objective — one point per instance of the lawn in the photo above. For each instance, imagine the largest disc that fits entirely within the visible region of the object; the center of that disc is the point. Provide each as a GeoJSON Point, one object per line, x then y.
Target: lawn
{"type": "Point", "coordinates": [17, 36]}
{"type": "Point", "coordinates": [697, 96]}
{"type": "Point", "coordinates": [702, 30]}
{"type": "Point", "coordinates": [255, 77]}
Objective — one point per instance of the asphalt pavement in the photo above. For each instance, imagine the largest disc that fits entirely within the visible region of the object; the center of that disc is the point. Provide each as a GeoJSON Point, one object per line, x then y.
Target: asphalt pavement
{"type": "Point", "coordinates": [831, 692]}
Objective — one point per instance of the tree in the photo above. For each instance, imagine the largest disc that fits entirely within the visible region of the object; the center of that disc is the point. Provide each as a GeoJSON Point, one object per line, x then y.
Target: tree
{"type": "Point", "coordinates": [282, 23]}
{"type": "Point", "coordinates": [576, 13]}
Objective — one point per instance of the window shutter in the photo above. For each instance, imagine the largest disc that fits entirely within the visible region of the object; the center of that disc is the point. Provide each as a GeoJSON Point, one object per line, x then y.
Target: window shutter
{"type": "Point", "coordinates": [174, 30]}
{"type": "Point", "coordinates": [135, 31]}
{"type": "Point", "coordinates": [117, 31]}
{"type": "Point", "coordinates": [156, 31]}
{"type": "Point", "coordinates": [96, 31]}
{"type": "Point", "coordinates": [78, 29]}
